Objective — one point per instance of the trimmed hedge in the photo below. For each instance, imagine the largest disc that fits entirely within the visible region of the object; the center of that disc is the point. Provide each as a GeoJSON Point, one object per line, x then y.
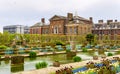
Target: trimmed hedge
{"type": "Point", "coordinates": [32, 54]}
{"type": "Point", "coordinates": [3, 47]}
{"type": "Point", "coordinates": [109, 54]}
{"type": "Point", "coordinates": [77, 59]}
{"type": "Point", "coordinates": [84, 49]}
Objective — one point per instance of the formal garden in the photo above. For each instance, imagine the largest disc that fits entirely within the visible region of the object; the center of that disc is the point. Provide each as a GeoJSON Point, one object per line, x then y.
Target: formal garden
{"type": "Point", "coordinates": [30, 52]}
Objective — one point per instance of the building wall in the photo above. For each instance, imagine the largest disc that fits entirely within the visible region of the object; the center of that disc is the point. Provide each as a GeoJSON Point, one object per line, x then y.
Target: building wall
{"type": "Point", "coordinates": [75, 25]}
{"type": "Point", "coordinates": [79, 29]}
{"type": "Point", "coordinates": [19, 29]}
{"type": "Point", "coordinates": [45, 29]}
{"type": "Point", "coordinates": [72, 29]}
{"type": "Point", "coordinates": [110, 28]}
{"type": "Point", "coordinates": [36, 30]}
{"type": "Point", "coordinates": [57, 26]}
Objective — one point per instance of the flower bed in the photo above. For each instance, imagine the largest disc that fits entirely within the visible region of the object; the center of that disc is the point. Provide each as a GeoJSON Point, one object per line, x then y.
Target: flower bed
{"type": "Point", "coordinates": [106, 66]}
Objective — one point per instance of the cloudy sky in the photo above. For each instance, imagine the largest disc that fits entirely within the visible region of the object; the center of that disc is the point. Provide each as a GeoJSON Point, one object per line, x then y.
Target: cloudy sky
{"type": "Point", "coordinates": [28, 12]}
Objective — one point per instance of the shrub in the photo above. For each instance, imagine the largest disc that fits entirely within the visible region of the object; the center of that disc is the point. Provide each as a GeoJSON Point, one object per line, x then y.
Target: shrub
{"type": "Point", "coordinates": [3, 47]}
{"type": "Point", "coordinates": [77, 59]}
{"type": "Point", "coordinates": [14, 46]}
{"type": "Point", "coordinates": [118, 52]}
{"type": "Point", "coordinates": [109, 54]}
{"type": "Point", "coordinates": [59, 43]}
{"type": "Point", "coordinates": [41, 65]}
{"type": "Point", "coordinates": [67, 50]}
{"type": "Point", "coordinates": [32, 54]}
{"type": "Point", "coordinates": [84, 49]}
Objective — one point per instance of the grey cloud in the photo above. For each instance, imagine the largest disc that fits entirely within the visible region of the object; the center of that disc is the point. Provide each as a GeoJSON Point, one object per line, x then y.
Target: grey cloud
{"type": "Point", "coordinates": [28, 12]}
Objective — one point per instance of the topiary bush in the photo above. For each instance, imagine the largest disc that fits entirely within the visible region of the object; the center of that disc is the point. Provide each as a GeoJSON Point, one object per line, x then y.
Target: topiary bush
{"type": "Point", "coordinates": [84, 49]}
{"type": "Point", "coordinates": [67, 50]}
{"type": "Point", "coordinates": [77, 59]}
{"type": "Point", "coordinates": [41, 65]}
{"type": "Point", "coordinates": [58, 43]}
{"type": "Point", "coordinates": [3, 47]}
{"type": "Point", "coordinates": [109, 54]}
{"type": "Point", "coordinates": [32, 54]}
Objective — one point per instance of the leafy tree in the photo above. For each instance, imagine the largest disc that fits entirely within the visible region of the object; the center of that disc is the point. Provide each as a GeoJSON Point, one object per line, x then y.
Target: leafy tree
{"type": "Point", "coordinates": [90, 38]}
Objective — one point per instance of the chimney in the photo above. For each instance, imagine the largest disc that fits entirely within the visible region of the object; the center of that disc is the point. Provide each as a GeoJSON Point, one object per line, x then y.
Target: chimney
{"type": "Point", "coordinates": [115, 20]}
{"type": "Point", "coordinates": [100, 21]}
{"type": "Point", "coordinates": [43, 20]}
{"type": "Point", "coordinates": [69, 16]}
{"type": "Point", "coordinates": [109, 21]}
{"type": "Point", "coordinates": [91, 19]}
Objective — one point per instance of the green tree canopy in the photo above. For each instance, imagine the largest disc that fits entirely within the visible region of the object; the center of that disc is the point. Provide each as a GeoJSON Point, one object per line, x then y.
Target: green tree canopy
{"type": "Point", "coordinates": [90, 38]}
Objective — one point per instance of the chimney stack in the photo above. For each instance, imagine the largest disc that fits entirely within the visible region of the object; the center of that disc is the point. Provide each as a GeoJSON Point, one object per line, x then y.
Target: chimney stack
{"type": "Point", "coordinates": [43, 20]}
{"type": "Point", "coordinates": [100, 21]}
{"type": "Point", "coordinates": [109, 21]}
{"type": "Point", "coordinates": [91, 19]}
{"type": "Point", "coordinates": [69, 16]}
{"type": "Point", "coordinates": [115, 20]}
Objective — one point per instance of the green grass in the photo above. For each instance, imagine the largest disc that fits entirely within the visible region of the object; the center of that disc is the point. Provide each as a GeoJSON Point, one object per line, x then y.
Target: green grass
{"type": "Point", "coordinates": [41, 65]}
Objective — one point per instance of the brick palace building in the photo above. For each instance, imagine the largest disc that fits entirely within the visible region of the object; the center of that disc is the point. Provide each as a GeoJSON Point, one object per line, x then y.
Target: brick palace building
{"type": "Point", "coordinates": [63, 25]}
{"type": "Point", "coordinates": [110, 28]}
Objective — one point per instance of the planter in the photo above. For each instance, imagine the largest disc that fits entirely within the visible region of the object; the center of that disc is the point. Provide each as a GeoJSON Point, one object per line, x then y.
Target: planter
{"type": "Point", "coordinates": [103, 56]}
{"type": "Point", "coordinates": [7, 57]}
{"type": "Point", "coordinates": [17, 60]}
{"type": "Point", "coordinates": [71, 54]}
{"type": "Point", "coordinates": [116, 58]}
{"type": "Point", "coordinates": [54, 52]}
{"type": "Point", "coordinates": [101, 51]}
{"type": "Point", "coordinates": [95, 57]}
{"type": "Point", "coordinates": [56, 64]}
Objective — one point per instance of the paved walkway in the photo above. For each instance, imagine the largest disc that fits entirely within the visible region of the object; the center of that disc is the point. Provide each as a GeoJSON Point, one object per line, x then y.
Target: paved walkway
{"type": "Point", "coordinates": [38, 54]}
{"type": "Point", "coordinates": [53, 69]}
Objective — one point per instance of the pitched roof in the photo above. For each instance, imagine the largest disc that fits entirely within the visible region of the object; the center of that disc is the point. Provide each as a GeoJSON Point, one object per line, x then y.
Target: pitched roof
{"type": "Point", "coordinates": [56, 17]}
{"type": "Point", "coordinates": [80, 18]}
{"type": "Point", "coordinates": [38, 24]}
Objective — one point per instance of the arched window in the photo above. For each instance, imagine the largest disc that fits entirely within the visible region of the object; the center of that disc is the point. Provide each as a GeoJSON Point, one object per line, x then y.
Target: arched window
{"type": "Point", "coordinates": [55, 29]}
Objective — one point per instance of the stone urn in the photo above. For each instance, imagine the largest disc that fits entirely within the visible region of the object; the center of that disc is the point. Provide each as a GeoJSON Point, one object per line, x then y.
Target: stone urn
{"type": "Point", "coordinates": [56, 64]}
{"type": "Point", "coordinates": [95, 57]}
{"type": "Point", "coordinates": [116, 58]}
{"type": "Point", "coordinates": [103, 56]}
{"type": "Point", "coordinates": [71, 54]}
{"type": "Point", "coordinates": [7, 57]}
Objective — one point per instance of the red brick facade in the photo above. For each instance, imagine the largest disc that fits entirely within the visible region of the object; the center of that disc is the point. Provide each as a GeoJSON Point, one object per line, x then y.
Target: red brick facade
{"type": "Point", "coordinates": [64, 25]}
{"type": "Point", "coordinates": [110, 28]}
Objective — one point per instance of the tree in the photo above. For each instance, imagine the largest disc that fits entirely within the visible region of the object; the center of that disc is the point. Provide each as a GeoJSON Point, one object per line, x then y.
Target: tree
{"type": "Point", "coordinates": [90, 38]}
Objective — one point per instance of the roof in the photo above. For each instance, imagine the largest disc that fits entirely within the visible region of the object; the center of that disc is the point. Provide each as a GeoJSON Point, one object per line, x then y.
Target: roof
{"type": "Point", "coordinates": [13, 25]}
{"type": "Point", "coordinates": [56, 17]}
{"type": "Point", "coordinates": [80, 18]}
{"type": "Point", "coordinates": [38, 24]}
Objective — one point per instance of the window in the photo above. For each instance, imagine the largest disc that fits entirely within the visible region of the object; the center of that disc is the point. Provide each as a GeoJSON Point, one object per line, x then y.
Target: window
{"type": "Point", "coordinates": [70, 30]}
{"type": "Point", "coordinates": [75, 30]}
{"type": "Point", "coordinates": [56, 30]}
